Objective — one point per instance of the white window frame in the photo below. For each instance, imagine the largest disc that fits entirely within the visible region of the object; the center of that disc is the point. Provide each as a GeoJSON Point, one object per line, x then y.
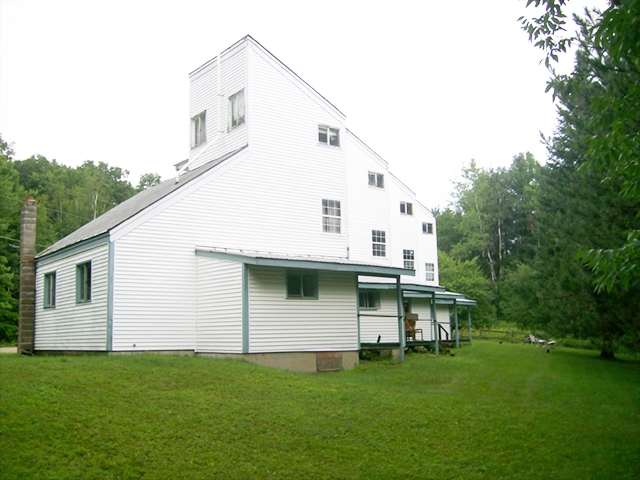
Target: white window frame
{"type": "Point", "coordinates": [408, 256]}
{"type": "Point", "coordinates": [237, 109]}
{"type": "Point", "coordinates": [406, 208]}
{"type": "Point", "coordinates": [331, 216]}
{"type": "Point", "coordinates": [378, 243]}
{"type": "Point", "coordinates": [198, 129]}
{"type": "Point", "coordinates": [427, 228]}
{"type": "Point", "coordinates": [49, 297]}
{"type": "Point", "coordinates": [376, 179]}
{"type": "Point", "coordinates": [369, 300]}
{"type": "Point", "coordinates": [329, 135]}
{"type": "Point", "coordinates": [430, 272]}
{"type": "Point", "coordinates": [83, 282]}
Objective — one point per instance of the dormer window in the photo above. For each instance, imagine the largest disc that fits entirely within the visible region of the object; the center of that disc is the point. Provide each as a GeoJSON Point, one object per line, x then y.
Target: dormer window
{"type": "Point", "coordinates": [376, 180]}
{"type": "Point", "coordinates": [329, 135]}
{"type": "Point", "coordinates": [236, 109]}
{"type": "Point", "coordinates": [198, 130]}
{"type": "Point", "coordinates": [406, 208]}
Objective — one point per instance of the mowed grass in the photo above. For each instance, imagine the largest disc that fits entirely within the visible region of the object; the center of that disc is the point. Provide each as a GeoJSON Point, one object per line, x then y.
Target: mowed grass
{"type": "Point", "coordinates": [492, 411]}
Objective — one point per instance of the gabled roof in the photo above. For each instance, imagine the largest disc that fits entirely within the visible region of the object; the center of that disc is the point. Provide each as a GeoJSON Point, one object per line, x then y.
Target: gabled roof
{"type": "Point", "coordinates": [134, 205]}
{"type": "Point", "coordinates": [249, 38]}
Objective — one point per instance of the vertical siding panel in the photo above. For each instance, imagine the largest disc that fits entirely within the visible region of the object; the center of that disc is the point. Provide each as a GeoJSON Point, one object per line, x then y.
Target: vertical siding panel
{"type": "Point", "coordinates": [278, 324]}
{"type": "Point", "coordinates": [71, 326]}
{"type": "Point", "coordinates": [219, 306]}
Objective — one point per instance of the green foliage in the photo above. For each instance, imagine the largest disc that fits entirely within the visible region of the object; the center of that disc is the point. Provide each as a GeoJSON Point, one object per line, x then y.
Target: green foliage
{"type": "Point", "coordinates": [148, 180]}
{"type": "Point", "coordinates": [600, 106]}
{"type": "Point", "coordinates": [477, 415]}
{"type": "Point", "coordinates": [466, 277]}
{"type": "Point", "coordinates": [67, 199]}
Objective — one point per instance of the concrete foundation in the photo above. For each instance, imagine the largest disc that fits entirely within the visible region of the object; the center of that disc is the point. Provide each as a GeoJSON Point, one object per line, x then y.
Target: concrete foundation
{"type": "Point", "coordinates": [304, 362]}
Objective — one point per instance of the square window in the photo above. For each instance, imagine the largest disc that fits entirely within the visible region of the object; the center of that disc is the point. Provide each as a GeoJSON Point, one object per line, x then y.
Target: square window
{"type": "Point", "coordinates": [236, 109]}
{"type": "Point", "coordinates": [408, 257]}
{"type": "Point", "coordinates": [376, 180]}
{"type": "Point", "coordinates": [198, 129]}
{"type": "Point", "coordinates": [378, 238]}
{"type": "Point", "coordinates": [302, 285]}
{"type": "Point", "coordinates": [369, 299]}
{"type": "Point", "coordinates": [406, 208]}
{"type": "Point", "coordinates": [329, 135]}
{"type": "Point", "coordinates": [430, 269]}
{"type": "Point", "coordinates": [83, 282]}
{"type": "Point", "coordinates": [331, 216]}
{"type": "Point", "coordinates": [49, 290]}
{"type": "Point", "coordinates": [427, 228]}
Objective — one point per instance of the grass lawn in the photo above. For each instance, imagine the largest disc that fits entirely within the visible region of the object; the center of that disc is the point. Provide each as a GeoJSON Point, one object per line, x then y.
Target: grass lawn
{"type": "Point", "coordinates": [492, 411]}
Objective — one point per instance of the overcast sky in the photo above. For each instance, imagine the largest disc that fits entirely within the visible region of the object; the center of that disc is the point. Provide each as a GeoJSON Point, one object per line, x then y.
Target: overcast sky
{"type": "Point", "coordinates": [428, 85]}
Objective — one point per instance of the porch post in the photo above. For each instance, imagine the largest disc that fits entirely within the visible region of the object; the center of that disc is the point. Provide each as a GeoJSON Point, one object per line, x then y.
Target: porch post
{"type": "Point", "coordinates": [469, 315]}
{"type": "Point", "coordinates": [455, 315]}
{"type": "Point", "coordinates": [401, 332]}
{"type": "Point", "coordinates": [434, 317]}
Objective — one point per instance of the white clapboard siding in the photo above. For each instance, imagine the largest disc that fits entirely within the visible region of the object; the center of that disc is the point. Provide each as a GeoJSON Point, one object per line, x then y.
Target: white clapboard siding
{"type": "Point", "coordinates": [204, 97]}
{"type": "Point", "coordinates": [219, 306]}
{"type": "Point", "coordinates": [278, 324]}
{"type": "Point", "coordinates": [72, 326]}
{"type": "Point", "coordinates": [386, 326]}
{"type": "Point", "coordinates": [423, 308]}
{"type": "Point", "coordinates": [369, 207]}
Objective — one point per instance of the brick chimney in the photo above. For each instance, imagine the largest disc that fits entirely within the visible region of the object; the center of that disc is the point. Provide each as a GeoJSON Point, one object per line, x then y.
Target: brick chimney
{"type": "Point", "coordinates": [27, 311]}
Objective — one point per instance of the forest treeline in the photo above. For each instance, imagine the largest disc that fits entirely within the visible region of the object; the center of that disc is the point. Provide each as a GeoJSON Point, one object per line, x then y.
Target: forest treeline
{"type": "Point", "coordinates": [556, 248]}
{"type": "Point", "coordinates": [67, 199]}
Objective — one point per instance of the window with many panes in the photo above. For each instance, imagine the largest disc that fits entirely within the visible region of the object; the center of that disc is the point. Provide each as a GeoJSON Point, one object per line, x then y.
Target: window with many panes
{"type": "Point", "coordinates": [329, 135]}
{"type": "Point", "coordinates": [236, 109]}
{"type": "Point", "coordinates": [83, 282]}
{"type": "Point", "coordinates": [378, 238]}
{"type": "Point", "coordinates": [302, 285]}
{"type": "Point", "coordinates": [376, 180]}
{"type": "Point", "coordinates": [408, 257]}
{"type": "Point", "coordinates": [427, 227]}
{"type": "Point", "coordinates": [406, 208]}
{"type": "Point", "coordinates": [331, 216]}
{"type": "Point", "coordinates": [369, 299]}
{"type": "Point", "coordinates": [198, 129]}
{"type": "Point", "coordinates": [431, 272]}
{"type": "Point", "coordinates": [49, 300]}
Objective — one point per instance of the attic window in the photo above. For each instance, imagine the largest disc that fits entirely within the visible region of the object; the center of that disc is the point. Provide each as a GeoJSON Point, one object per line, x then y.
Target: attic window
{"type": "Point", "coordinates": [406, 208]}
{"type": "Point", "coordinates": [198, 130]}
{"type": "Point", "coordinates": [376, 180]}
{"type": "Point", "coordinates": [329, 135]}
{"type": "Point", "coordinates": [236, 109]}
{"type": "Point", "coordinates": [427, 227]}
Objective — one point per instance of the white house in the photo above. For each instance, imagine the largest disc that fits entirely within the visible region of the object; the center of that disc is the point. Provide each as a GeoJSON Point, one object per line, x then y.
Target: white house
{"type": "Point", "coordinates": [283, 239]}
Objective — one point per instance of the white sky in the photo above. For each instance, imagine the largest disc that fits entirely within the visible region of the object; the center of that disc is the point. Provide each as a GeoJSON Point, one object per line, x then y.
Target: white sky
{"type": "Point", "coordinates": [427, 85]}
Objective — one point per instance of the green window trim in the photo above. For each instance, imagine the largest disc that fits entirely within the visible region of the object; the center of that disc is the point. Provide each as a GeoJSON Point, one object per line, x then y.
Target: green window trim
{"type": "Point", "coordinates": [83, 282]}
{"type": "Point", "coordinates": [49, 300]}
{"type": "Point", "coordinates": [302, 285]}
{"type": "Point", "coordinates": [369, 300]}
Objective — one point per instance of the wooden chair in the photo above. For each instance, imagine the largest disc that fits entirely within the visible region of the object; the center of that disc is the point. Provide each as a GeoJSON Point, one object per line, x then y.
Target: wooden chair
{"type": "Point", "coordinates": [410, 320]}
